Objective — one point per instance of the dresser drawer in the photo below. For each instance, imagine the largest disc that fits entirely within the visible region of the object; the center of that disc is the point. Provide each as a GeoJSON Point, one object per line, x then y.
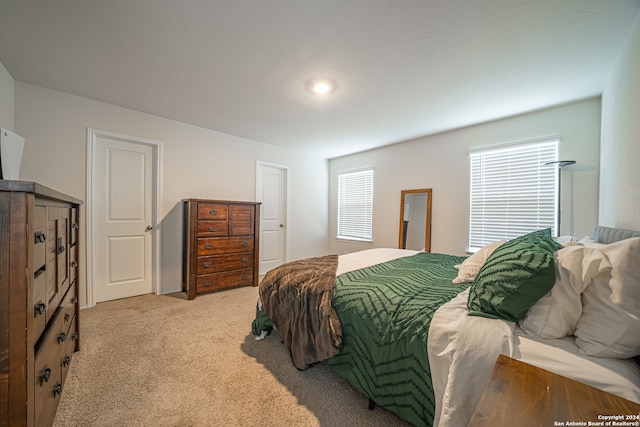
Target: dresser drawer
{"type": "Point", "coordinates": [48, 373]}
{"type": "Point", "coordinates": [68, 309]}
{"type": "Point", "coordinates": [212, 211]}
{"type": "Point", "coordinates": [214, 282]}
{"type": "Point", "coordinates": [217, 264]}
{"type": "Point", "coordinates": [213, 228]}
{"type": "Point", "coordinates": [68, 348]}
{"type": "Point", "coordinates": [224, 245]}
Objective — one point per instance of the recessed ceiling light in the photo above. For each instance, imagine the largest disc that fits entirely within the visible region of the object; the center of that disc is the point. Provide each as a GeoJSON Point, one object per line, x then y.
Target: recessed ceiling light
{"type": "Point", "coordinates": [321, 86]}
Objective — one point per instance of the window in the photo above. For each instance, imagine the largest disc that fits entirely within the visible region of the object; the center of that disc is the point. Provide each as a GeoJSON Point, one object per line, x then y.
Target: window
{"type": "Point", "coordinates": [355, 205]}
{"type": "Point", "coordinates": [512, 192]}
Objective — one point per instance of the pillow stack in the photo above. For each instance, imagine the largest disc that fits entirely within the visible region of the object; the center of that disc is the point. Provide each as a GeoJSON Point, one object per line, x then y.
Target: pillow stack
{"type": "Point", "coordinates": [596, 298]}
{"type": "Point", "coordinates": [514, 277]}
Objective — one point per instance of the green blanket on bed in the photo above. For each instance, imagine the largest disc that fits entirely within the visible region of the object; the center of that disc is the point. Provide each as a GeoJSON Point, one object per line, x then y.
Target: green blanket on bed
{"type": "Point", "coordinates": [385, 311]}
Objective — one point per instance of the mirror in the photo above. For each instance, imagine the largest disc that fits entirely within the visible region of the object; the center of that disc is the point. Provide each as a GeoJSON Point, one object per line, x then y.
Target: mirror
{"type": "Point", "coordinates": [415, 220]}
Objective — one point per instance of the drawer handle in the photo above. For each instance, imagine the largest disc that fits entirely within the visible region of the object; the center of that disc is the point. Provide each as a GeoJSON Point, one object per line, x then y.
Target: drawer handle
{"type": "Point", "coordinates": [66, 361]}
{"type": "Point", "coordinates": [213, 212]}
{"type": "Point", "coordinates": [40, 237]}
{"type": "Point", "coordinates": [207, 283]}
{"type": "Point", "coordinates": [39, 309]}
{"type": "Point", "coordinates": [75, 225]}
{"type": "Point", "coordinates": [208, 246]}
{"type": "Point", "coordinates": [245, 260]}
{"type": "Point", "coordinates": [74, 300]}
{"type": "Point", "coordinates": [62, 337]}
{"type": "Point", "coordinates": [74, 264]}
{"type": "Point", "coordinates": [244, 277]}
{"type": "Point", "coordinates": [57, 390]}
{"type": "Point", "coordinates": [74, 336]}
{"type": "Point", "coordinates": [212, 229]}
{"type": "Point", "coordinates": [206, 265]}
{"type": "Point", "coordinates": [45, 374]}
{"type": "Point", "coordinates": [66, 317]}
{"type": "Point", "coordinates": [245, 244]}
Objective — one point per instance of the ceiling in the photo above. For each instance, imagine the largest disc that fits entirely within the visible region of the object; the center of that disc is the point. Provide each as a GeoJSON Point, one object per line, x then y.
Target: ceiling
{"type": "Point", "coordinates": [403, 69]}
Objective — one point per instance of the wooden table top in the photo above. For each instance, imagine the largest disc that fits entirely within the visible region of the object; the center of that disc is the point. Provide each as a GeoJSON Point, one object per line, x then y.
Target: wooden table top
{"type": "Point", "coordinates": [519, 394]}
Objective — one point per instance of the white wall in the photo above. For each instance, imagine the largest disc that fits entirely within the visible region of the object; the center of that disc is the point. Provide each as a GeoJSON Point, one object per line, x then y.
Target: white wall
{"type": "Point", "coordinates": [198, 163]}
{"type": "Point", "coordinates": [7, 99]}
{"type": "Point", "coordinates": [441, 162]}
{"type": "Point", "coordinates": [620, 149]}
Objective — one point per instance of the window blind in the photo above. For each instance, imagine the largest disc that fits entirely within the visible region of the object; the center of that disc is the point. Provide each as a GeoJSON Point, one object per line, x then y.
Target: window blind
{"type": "Point", "coordinates": [512, 192]}
{"type": "Point", "coordinates": [355, 205]}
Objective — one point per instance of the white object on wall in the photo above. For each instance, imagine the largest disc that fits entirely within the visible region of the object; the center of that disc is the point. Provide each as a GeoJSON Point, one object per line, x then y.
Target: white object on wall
{"type": "Point", "coordinates": [11, 146]}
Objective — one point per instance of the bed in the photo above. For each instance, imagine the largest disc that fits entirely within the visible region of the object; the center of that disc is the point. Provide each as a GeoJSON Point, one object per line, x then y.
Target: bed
{"type": "Point", "coordinates": [418, 333]}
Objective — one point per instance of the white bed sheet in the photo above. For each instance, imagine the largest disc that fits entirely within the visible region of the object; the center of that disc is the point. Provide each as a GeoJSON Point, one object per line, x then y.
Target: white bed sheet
{"type": "Point", "coordinates": [368, 257]}
{"type": "Point", "coordinates": [463, 349]}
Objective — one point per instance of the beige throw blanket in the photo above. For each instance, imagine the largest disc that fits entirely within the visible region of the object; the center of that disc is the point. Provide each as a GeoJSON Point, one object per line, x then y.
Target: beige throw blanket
{"type": "Point", "coordinates": [297, 297]}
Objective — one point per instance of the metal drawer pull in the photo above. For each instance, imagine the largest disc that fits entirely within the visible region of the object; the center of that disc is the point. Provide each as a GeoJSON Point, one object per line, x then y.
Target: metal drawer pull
{"type": "Point", "coordinates": [40, 237]}
{"type": "Point", "coordinates": [213, 212]}
{"type": "Point", "coordinates": [208, 246]}
{"type": "Point", "coordinates": [62, 337]}
{"type": "Point", "coordinates": [74, 300]}
{"type": "Point", "coordinates": [74, 336]}
{"type": "Point", "coordinates": [212, 229]}
{"type": "Point", "coordinates": [66, 317]}
{"type": "Point", "coordinates": [39, 309]}
{"type": "Point", "coordinates": [245, 244]}
{"type": "Point", "coordinates": [45, 375]}
{"type": "Point", "coordinates": [66, 361]}
{"type": "Point", "coordinates": [207, 283]}
{"type": "Point", "coordinates": [206, 265]}
{"type": "Point", "coordinates": [74, 264]}
{"type": "Point", "coordinates": [245, 260]}
{"type": "Point", "coordinates": [75, 225]}
{"type": "Point", "coordinates": [57, 390]}
{"type": "Point", "coordinates": [244, 277]}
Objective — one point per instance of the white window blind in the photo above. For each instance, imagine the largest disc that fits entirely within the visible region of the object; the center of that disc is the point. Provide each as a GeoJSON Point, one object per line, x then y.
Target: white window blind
{"type": "Point", "coordinates": [355, 205]}
{"type": "Point", "coordinates": [512, 192]}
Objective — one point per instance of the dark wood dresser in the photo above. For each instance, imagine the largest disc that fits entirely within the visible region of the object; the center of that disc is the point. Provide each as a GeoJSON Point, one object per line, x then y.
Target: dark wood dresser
{"type": "Point", "coordinates": [39, 311]}
{"type": "Point", "coordinates": [220, 247]}
{"type": "Point", "coordinates": [520, 394]}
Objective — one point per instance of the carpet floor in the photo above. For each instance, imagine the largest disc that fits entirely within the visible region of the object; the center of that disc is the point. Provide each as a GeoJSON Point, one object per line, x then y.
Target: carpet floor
{"type": "Point", "coordinates": [165, 361]}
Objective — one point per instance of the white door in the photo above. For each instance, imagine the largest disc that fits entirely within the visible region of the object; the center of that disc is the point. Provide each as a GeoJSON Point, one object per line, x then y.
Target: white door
{"type": "Point", "coordinates": [122, 212]}
{"type": "Point", "coordinates": [272, 193]}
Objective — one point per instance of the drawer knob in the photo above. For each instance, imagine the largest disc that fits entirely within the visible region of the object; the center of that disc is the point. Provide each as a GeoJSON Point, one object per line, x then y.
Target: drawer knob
{"type": "Point", "coordinates": [40, 237]}
{"type": "Point", "coordinates": [244, 277]}
{"type": "Point", "coordinates": [213, 212]}
{"type": "Point", "coordinates": [207, 283]}
{"type": "Point", "coordinates": [39, 309]}
{"type": "Point", "coordinates": [57, 390]}
{"type": "Point", "coordinates": [66, 361]}
{"type": "Point", "coordinates": [245, 260]}
{"type": "Point", "coordinates": [66, 317]}
{"type": "Point", "coordinates": [62, 337]}
{"type": "Point", "coordinates": [74, 264]}
{"type": "Point", "coordinates": [206, 265]}
{"type": "Point", "coordinates": [75, 225]}
{"type": "Point", "coordinates": [74, 300]}
{"type": "Point", "coordinates": [45, 374]}
{"type": "Point", "coordinates": [208, 246]}
{"type": "Point", "coordinates": [245, 244]}
{"type": "Point", "coordinates": [74, 336]}
{"type": "Point", "coordinates": [212, 229]}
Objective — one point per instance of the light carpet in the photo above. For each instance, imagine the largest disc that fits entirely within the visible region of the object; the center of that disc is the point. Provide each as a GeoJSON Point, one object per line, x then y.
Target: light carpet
{"type": "Point", "coordinates": [165, 361]}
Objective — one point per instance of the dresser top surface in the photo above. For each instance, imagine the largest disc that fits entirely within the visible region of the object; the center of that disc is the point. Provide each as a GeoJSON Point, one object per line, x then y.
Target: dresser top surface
{"type": "Point", "coordinates": [37, 189]}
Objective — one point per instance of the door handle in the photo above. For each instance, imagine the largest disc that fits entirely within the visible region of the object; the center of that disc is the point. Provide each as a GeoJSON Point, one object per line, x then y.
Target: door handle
{"type": "Point", "coordinates": [149, 228]}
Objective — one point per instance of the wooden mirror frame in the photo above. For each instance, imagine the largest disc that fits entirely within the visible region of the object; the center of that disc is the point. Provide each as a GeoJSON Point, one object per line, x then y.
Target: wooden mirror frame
{"type": "Point", "coordinates": [427, 239]}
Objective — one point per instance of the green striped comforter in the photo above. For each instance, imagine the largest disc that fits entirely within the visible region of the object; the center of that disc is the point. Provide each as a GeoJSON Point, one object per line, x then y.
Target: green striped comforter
{"type": "Point", "coordinates": [385, 311]}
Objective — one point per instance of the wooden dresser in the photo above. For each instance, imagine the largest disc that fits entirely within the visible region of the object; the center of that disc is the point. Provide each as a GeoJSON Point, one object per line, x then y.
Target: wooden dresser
{"type": "Point", "coordinates": [220, 247]}
{"type": "Point", "coordinates": [39, 311]}
{"type": "Point", "coordinates": [519, 394]}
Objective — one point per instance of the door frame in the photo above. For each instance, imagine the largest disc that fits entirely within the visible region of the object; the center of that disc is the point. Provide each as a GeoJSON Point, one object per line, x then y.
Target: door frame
{"type": "Point", "coordinates": [156, 202]}
{"type": "Point", "coordinates": [287, 191]}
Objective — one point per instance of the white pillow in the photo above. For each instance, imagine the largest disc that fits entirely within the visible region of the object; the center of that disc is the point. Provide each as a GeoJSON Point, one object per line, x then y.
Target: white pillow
{"type": "Point", "coordinates": [556, 314]}
{"type": "Point", "coordinates": [610, 322]}
{"type": "Point", "coordinates": [588, 241]}
{"type": "Point", "coordinates": [470, 266]}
